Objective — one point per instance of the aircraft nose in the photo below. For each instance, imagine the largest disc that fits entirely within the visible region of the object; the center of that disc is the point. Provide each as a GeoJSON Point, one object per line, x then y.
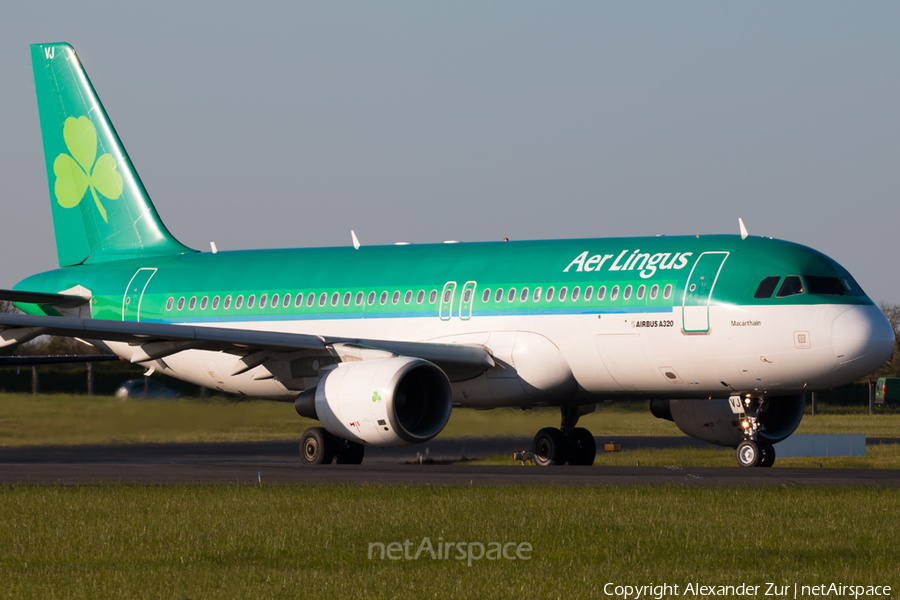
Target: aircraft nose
{"type": "Point", "coordinates": [863, 338]}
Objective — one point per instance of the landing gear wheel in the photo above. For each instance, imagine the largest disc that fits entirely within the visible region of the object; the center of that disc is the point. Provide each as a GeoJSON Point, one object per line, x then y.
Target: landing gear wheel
{"type": "Point", "coordinates": [316, 447]}
{"type": "Point", "coordinates": [582, 447]}
{"type": "Point", "coordinates": [349, 453]}
{"type": "Point", "coordinates": [550, 447]}
{"type": "Point", "coordinates": [768, 457]}
{"type": "Point", "coordinates": [749, 454]}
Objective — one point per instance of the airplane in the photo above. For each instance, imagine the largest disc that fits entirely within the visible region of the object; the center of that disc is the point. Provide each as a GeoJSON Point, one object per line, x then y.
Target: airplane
{"type": "Point", "coordinates": [722, 334]}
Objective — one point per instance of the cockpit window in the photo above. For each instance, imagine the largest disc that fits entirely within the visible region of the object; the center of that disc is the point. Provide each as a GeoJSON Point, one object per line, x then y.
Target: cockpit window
{"type": "Point", "coordinates": [825, 286]}
{"type": "Point", "coordinates": [852, 287]}
{"type": "Point", "coordinates": [766, 287]}
{"type": "Point", "coordinates": [791, 287]}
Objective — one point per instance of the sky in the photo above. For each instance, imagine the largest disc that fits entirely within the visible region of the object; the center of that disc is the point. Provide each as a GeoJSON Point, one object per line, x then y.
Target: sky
{"type": "Point", "coordinates": [289, 124]}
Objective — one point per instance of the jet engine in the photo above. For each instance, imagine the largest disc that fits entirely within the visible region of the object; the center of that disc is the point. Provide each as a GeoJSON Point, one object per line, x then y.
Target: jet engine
{"type": "Point", "coordinates": [394, 401]}
{"type": "Point", "coordinates": [713, 420]}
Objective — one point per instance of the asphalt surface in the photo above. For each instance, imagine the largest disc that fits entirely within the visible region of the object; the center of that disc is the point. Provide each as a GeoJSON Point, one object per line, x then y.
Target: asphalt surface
{"type": "Point", "coordinates": [278, 462]}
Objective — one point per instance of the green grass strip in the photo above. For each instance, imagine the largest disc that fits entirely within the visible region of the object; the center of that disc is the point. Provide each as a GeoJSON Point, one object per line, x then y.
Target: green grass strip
{"type": "Point", "coordinates": [232, 541]}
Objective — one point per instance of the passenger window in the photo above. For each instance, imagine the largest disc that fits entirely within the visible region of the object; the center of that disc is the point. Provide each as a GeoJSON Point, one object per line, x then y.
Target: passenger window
{"type": "Point", "coordinates": [204, 302]}
{"type": "Point", "coordinates": [588, 292]}
{"type": "Point", "coordinates": [667, 292]}
{"type": "Point", "coordinates": [562, 293]}
{"type": "Point", "coordinates": [524, 295]}
{"type": "Point", "coordinates": [227, 304]}
{"type": "Point", "coordinates": [825, 286]}
{"type": "Point", "coordinates": [215, 303]}
{"type": "Point", "coordinates": [251, 301]}
{"type": "Point", "coordinates": [193, 303]}
{"type": "Point", "coordinates": [640, 293]}
{"type": "Point", "coordinates": [169, 303]}
{"type": "Point", "coordinates": [347, 299]}
{"type": "Point", "coordinates": [614, 292]}
{"type": "Point", "coordinates": [274, 300]}
{"type": "Point", "coordinates": [601, 293]}
{"type": "Point", "coordinates": [486, 296]}
{"type": "Point", "coordinates": [359, 298]}
{"type": "Point", "coordinates": [654, 292]}
{"type": "Point", "coordinates": [407, 298]}
{"type": "Point", "coordinates": [627, 293]}
{"type": "Point", "coordinates": [576, 291]}
{"type": "Point", "coordinates": [512, 295]}
{"type": "Point", "coordinates": [550, 294]}
{"type": "Point", "coordinates": [287, 301]}
{"type": "Point", "coordinates": [766, 287]}
{"type": "Point", "coordinates": [181, 303]}
{"type": "Point", "coordinates": [432, 297]}
{"type": "Point", "coordinates": [239, 302]}
{"type": "Point", "coordinates": [447, 295]}
{"type": "Point", "coordinates": [383, 299]}
{"type": "Point", "coordinates": [298, 300]}
{"type": "Point", "coordinates": [323, 298]}
{"type": "Point", "coordinates": [791, 287]}
{"type": "Point", "coordinates": [310, 299]}
{"type": "Point", "coordinates": [537, 294]}
{"type": "Point", "coordinates": [420, 297]}
{"type": "Point", "coordinates": [467, 296]}
{"type": "Point", "coordinates": [371, 300]}
{"type": "Point", "coordinates": [334, 298]}
{"type": "Point", "coordinates": [396, 298]}
{"type": "Point", "coordinates": [499, 295]}
{"type": "Point", "coordinates": [262, 300]}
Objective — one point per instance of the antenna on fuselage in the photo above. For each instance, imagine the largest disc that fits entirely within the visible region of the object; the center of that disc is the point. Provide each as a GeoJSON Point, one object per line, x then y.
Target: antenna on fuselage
{"type": "Point", "coordinates": [744, 233]}
{"type": "Point", "coordinates": [355, 239]}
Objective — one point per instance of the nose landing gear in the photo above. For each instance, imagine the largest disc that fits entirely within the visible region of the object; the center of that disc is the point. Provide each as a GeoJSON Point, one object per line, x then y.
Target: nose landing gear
{"type": "Point", "coordinates": [752, 452]}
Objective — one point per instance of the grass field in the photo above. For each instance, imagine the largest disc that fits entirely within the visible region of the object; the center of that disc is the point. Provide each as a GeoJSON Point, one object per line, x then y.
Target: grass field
{"type": "Point", "coordinates": [62, 419]}
{"type": "Point", "coordinates": [313, 541]}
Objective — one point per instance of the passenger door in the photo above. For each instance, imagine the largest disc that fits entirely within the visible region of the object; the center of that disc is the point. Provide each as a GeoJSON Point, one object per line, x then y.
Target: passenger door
{"type": "Point", "coordinates": [698, 291]}
{"type": "Point", "coordinates": [466, 300]}
{"type": "Point", "coordinates": [446, 310]}
{"type": "Point", "coordinates": [134, 293]}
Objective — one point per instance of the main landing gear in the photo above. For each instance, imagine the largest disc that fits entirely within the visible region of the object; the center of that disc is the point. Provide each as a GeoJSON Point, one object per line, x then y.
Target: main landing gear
{"type": "Point", "coordinates": [752, 452]}
{"type": "Point", "coordinates": [318, 447]}
{"type": "Point", "coordinates": [568, 444]}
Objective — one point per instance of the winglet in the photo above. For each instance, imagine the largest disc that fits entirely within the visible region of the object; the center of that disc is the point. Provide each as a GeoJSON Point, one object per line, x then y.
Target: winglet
{"type": "Point", "coordinates": [744, 233]}
{"type": "Point", "coordinates": [355, 239]}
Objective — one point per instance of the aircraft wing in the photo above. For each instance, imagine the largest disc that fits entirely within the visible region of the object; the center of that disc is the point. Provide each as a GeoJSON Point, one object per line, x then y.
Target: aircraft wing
{"type": "Point", "coordinates": [156, 340]}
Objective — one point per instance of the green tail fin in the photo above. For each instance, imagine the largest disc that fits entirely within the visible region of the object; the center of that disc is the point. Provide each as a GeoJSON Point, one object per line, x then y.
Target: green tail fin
{"type": "Point", "coordinates": [101, 211]}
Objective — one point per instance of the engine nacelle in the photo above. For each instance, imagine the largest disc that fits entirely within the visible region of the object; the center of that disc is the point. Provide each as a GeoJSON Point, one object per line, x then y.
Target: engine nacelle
{"type": "Point", "coordinates": [394, 401]}
{"type": "Point", "coordinates": [713, 420]}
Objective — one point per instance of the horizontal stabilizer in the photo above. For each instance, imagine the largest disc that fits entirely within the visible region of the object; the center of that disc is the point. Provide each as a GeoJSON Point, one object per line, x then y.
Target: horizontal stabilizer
{"type": "Point", "coordinates": [43, 299]}
{"type": "Point", "coordinates": [31, 361]}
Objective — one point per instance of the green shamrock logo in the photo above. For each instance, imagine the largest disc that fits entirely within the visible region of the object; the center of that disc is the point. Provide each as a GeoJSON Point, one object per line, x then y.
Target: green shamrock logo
{"type": "Point", "coordinates": [376, 397]}
{"type": "Point", "coordinates": [77, 173]}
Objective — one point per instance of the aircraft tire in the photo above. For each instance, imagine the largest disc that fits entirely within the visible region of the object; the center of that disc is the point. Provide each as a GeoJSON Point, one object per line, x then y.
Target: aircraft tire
{"type": "Point", "coordinates": [582, 447]}
{"type": "Point", "coordinates": [768, 457]}
{"type": "Point", "coordinates": [351, 453]}
{"type": "Point", "coordinates": [549, 447]}
{"type": "Point", "coordinates": [749, 454]}
{"type": "Point", "coordinates": [316, 447]}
